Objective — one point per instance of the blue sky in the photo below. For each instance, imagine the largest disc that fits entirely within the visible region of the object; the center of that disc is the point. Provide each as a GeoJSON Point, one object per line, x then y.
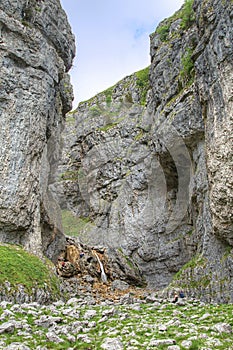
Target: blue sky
{"type": "Point", "coordinates": [112, 39]}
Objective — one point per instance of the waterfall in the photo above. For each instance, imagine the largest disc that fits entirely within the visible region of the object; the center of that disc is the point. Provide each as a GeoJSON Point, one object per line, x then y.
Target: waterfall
{"type": "Point", "coordinates": [103, 274]}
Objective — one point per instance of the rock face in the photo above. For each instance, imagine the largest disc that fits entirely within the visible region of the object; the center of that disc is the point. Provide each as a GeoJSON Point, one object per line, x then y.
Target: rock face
{"type": "Point", "coordinates": [148, 161]}
{"type": "Point", "coordinates": [103, 166]}
{"type": "Point", "coordinates": [36, 51]}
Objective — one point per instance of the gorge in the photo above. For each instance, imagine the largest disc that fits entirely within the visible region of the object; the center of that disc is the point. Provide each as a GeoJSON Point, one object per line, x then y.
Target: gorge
{"type": "Point", "coordinates": [146, 165]}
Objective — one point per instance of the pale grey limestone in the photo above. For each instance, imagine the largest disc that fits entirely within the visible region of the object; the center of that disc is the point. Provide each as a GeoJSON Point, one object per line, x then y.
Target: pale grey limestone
{"type": "Point", "coordinates": [112, 344]}
{"type": "Point", "coordinates": [36, 51]}
{"type": "Point", "coordinates": [71, 330]}
{"type": "Point", "coordinates": [156, 180]}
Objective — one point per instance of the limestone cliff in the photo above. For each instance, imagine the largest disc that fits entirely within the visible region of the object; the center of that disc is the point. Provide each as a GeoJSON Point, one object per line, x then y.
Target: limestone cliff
{"type": "Point", "coordinates": [194, 92]}
{"type": "Point", "coordinates": [148, 161]}
{"type": "Point", "coordinates": [36, 52]}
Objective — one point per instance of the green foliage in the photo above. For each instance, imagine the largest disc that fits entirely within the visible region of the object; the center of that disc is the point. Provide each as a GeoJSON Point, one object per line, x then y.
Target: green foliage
{"type": "Point", "coordinates": [26, 23]}
{"type": "Point", "coordinates": [188, 15]}
{"type": "Point", "coordinates": [197, 260]}
{"type": "Point", "coordinates": [139, 136]}
{"type": "Point", "coordinates": [187, 71]}
{"type": "Point", "coordinates": [143, 83]}
{"type": "Point", "coordinates": [19, 267]}
{"type": "Point", "coordinates": [132, 325]}
{"type": "Point", "coordinates": [31, 9]}
{"type": "Point", "coordinates": [107, 127]}
{"type": "Point", "coordinates": [163, 31]}
{"type": "Point", "coordinates": [72, 225]}
{"type": "Point", "coordinates": [69, 175]}
{"type": "Point", "coordinates": [195, 283]}
{"type": "Point", "coordinates": [108, 99]}
{"type": "Point", "coordinates": [196, 345]}
{"type": "Point", "coordinates": [142, 76]}
{"type": "Point", "coordinates": [38, 9]}
{"type": "Point", "coordinates": [108, 94]}
{"type": "Point", "coordinates": [129, 98]}
{"type": "Point", "coordinates": [70, 118]}
{"type": "Point", "coordinates": [95, 111]}
{"type": "Point", "coordinates": [129, 261]}
{"type": "Point", "coordinates": [228, 252]}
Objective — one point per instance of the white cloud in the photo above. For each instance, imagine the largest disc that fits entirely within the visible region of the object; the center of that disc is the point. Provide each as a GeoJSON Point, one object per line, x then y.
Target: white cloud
{"type": "Point", "coordinates": [112, 39]}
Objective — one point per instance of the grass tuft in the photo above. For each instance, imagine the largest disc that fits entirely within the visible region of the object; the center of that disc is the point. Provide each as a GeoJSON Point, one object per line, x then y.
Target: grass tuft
{"type": "Point", "coordinates": [19, 267]}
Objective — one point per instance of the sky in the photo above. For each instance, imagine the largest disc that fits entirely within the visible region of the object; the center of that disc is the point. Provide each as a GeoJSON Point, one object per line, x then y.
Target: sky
{"type": "Point", "coordinates": [112, 40]}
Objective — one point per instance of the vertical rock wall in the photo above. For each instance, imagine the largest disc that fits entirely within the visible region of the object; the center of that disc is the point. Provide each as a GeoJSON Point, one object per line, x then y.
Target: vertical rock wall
{"type": "Point", "coordinates": [192, 85]}
{"type": "Point", "coordinates": [153, 175]}
{"type": "Point", "coordinates": [36, 52]}
{"type": "Point", "coordinates": [213, 277]}
{"type": "Point", "coordinates": [214, 75]}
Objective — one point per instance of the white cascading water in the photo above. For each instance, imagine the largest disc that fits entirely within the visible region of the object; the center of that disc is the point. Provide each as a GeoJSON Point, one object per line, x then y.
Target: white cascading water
{"type": "Point", "coordinates": [103, 274]}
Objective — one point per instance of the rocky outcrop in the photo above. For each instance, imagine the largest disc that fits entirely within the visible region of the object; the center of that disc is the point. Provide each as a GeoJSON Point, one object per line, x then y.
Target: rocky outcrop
{"type": "Point", "coordinates": [80, 260]}
{"type": "Point", "coordinates": [36, 51]}
{"type": "Point", "coordinates": [149, 159]}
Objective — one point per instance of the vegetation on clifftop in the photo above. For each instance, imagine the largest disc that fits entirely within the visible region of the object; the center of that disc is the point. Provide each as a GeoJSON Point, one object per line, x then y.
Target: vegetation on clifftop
{"type": "Point", "coordinates": [138, 80]}
{"type": "Point", "coordinates": [185, 14]}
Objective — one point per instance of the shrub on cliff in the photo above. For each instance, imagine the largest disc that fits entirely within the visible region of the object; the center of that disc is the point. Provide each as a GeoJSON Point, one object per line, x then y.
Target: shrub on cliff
{"type": "Point", "coordinates": [163, 31]}
{"type": "Point", "coordinates": [185, 14]}
{"type": "Point", "coordinates": [188, 15]}
{"type": "Point", "coordinates": [187, 71]}
{"type": "Point", "coordinates": [143, 83]}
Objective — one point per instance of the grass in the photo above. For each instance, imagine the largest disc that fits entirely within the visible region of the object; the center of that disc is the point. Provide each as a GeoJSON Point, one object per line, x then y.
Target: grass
{"type": "Point", "coordinates": [134, 327]}
{"type": "Point", "coordinates": [69, 175]}
{"type": "Point", "coordinates": [72, 225]}
{"type": "Point", "coordinates": [187, 71]}
{"type": "Point", "coordinates": [143, 83]}
{"type": "Point", "coordinates": [18, 267]}
{"type": "Point", "coordinates": [70, 119]}
{"type": "Point", "coordinates": [197, 260]}
{"type": "Point", "coordinates": [163, 31]}
{"type": "Point", "coordinates": [95, 111]}
{"type": "Point", "coordinates": [108, 94]}
{"type": "Point", "coordinates": [107, 127]}
{"type": "Point", "coordinates": [187, 16]}
{"type": "Point", "coordinates": [139, 136]}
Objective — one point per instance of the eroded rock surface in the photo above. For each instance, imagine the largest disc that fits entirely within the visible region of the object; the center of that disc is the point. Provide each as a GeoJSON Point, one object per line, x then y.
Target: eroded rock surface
{"type": "Point", "coordinates": [149, 163]}
{"type": "Point", "coordinates": [36, 51]}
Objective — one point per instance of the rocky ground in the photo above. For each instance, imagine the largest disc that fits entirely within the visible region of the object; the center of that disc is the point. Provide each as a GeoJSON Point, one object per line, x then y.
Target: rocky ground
{"type": "Point", "coordinates": [116, 318]}
{"type": "Point", "coordinates": [90, 314]}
